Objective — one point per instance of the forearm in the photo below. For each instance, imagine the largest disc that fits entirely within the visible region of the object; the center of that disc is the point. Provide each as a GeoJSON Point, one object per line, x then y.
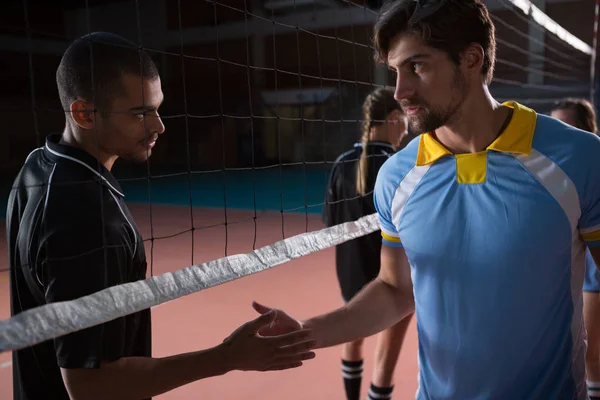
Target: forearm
{"type": "Point", "coordinates": [377, 307]}
{"type": "Point", "coordinates": [141, 377]}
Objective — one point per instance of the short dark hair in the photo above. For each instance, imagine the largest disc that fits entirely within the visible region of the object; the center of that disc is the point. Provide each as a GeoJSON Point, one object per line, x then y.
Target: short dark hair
{"type": "Point", "coordinates": [112, 57]}
{"type": "Point", "coordinates": [585, 115]}
{"type": "Point", "coordinates": [447, 25]}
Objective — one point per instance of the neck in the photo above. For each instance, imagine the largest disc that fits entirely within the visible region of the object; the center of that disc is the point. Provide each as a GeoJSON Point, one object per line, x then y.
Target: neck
{"type": "Point", "coordinates": [476, 125]}
{"type": "Point", "coordinates": [378, 134]}
{"type": "Point", "coordinates": [88, 143]}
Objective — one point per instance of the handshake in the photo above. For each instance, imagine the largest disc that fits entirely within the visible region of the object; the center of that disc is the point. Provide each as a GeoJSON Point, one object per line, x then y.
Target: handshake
{"type": "Point", "coordinates": [272, 342]}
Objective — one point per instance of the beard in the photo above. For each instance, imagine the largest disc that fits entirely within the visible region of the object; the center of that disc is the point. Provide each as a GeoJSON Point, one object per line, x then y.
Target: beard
{"type": "Point", "coordinates": [112, 141]}
{"type": "Point", "coordinates": [137, 157]}
{"type": "Point", "coordinates": [140, 153]}
{"type": "Point", "coordinates": [430, 118]}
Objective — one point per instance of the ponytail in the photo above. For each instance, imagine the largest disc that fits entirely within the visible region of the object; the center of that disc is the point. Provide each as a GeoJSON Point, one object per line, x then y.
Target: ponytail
{"type": "Point", "coordinates": [377, 106]}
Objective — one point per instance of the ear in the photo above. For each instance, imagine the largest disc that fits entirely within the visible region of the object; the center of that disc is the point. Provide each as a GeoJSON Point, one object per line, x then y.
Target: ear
{"type": "Point", "coordinates": [472, 59]}
{"type": "Point", "coordinates": [82, 114]}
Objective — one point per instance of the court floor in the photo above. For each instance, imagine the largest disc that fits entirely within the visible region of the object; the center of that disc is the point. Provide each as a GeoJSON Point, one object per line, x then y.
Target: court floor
{"type": "Point", "coordinates": [303, 287]}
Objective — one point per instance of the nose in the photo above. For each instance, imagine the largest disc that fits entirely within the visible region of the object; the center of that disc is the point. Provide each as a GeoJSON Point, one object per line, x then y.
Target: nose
{"type": "Point", "coordinates": [157, 127]}
{"type": "Point", "coordinates": [403, 89]}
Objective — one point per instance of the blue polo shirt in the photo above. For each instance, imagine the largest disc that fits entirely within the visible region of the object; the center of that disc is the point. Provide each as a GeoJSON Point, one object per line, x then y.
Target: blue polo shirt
{"type": "Point", "coordinates": [496, 242]}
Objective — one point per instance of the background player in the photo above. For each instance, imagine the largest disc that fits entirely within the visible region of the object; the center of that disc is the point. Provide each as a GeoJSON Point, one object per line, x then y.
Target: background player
{"type": "Point", "coordinates": [580, 113]}
{"type": "Point", "coordinates": [350, 197]}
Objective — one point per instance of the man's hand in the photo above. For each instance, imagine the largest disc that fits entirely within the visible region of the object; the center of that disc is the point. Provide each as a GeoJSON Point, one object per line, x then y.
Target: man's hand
{"type": "Point", "coordinates": [381, 304]}
{"type": "Point", "coordinates": [283, 323]}
{"type": "Point", "coordinates": [251, 351]}
{"type": "Point", "coordinates": [145, 377]}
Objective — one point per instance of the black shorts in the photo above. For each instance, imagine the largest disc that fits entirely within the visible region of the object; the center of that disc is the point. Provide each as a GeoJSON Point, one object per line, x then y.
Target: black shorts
{"type": "Point", "coordinates": [357, 264]}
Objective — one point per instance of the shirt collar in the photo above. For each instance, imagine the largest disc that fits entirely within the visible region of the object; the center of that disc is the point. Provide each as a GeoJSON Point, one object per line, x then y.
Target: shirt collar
{"type": "Point", "coordinates": [56, 151]}
{"type": "Point", "coordinates": [376, 143]}
{"type": "Point", "coordinates": [516, 138]}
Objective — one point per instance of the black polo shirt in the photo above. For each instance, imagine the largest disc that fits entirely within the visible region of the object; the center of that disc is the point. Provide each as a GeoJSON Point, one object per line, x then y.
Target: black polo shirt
{"type": "Point", "coordinates": [358, 260]}
{"type": "Point", "coordinates": [70, 234]}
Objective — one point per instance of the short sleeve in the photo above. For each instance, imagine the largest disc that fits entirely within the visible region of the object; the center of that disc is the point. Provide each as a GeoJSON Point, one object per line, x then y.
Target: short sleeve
{"type": "Point", "coordinates": [589, 222]}
{"type": "Point", "coordinates": [383, 196]}
{"type": "Point", "coordinates": [76, 262]}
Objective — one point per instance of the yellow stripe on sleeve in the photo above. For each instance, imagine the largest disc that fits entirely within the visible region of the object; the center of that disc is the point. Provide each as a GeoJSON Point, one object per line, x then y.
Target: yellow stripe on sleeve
{"type": "Point", "coordinates": [591, 236]}
{"type": "Point", "coordinates": [390, 238]}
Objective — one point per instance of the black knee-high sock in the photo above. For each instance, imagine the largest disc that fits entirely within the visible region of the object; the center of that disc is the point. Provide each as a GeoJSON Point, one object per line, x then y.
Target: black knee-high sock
{"type": "Point", "coordinates": [593, 390]}
{"type": "Point", "coordinates": [352, 372]}
{"type": "Point", "coordinates": [380, 393]}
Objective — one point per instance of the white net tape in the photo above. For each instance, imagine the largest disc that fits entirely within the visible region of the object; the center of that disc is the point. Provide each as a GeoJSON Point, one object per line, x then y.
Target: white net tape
{"type": "Point", "coordinates": [58, 319]}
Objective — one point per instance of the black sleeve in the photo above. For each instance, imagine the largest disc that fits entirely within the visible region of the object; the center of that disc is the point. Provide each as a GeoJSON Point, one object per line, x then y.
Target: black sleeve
{"type": "Point", "coordinates": [76, 262]}
{"type": "Point", "coordinates": [331, 197]}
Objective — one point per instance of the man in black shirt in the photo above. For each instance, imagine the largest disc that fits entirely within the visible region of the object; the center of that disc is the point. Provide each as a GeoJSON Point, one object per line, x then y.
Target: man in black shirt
{"type": "Point", "coordinates": [70, 234]}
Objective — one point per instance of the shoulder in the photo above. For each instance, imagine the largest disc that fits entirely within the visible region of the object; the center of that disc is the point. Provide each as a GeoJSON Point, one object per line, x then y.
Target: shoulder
{"type": "Point", "coordinates": [394, 170]}
{"type": "Point", "coordinates": [549, 131]}
{"type": "Point", "coordinates": [34, 170]}
{"type": "Point", "coordinates": [341, 165]}
{"type": "Point", "coordinates": [379, 153]}
{"type": "Point", "coordinates": [77, 201]}
{"type": "Point", "coordinates": [575, 151]}
{"type": "Point", "coordinates": [552, 135]}
{"type": "Point", "coordinates": [381, 148]}
{"type": "Point", "coordinates": [389, 179]}
{"type": "Point", "coordinates": [399, 164]}
{"type": "Point", "coordinates": [74, 188]}
{"type": "Point", "coordinates": [352, 154]}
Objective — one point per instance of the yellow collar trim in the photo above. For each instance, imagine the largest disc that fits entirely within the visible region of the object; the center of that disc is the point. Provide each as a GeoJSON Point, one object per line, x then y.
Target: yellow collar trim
{"type": "Point", "coordinates": [516, 138]}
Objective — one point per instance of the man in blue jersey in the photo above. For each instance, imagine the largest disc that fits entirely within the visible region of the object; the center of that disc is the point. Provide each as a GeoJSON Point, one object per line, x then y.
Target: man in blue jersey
{"type": "Point", "coordinates": [485, 218]}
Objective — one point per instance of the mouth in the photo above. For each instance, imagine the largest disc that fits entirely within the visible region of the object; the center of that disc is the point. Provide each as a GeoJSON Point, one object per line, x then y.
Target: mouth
{"type": "Point", "coordinates": [150, 143]}
{"type": "Point", "coordinates": [412, 110]}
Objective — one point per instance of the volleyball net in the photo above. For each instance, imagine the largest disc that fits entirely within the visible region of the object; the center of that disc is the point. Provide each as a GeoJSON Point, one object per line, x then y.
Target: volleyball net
{"type": "Point", "coordinates": [261, 97]}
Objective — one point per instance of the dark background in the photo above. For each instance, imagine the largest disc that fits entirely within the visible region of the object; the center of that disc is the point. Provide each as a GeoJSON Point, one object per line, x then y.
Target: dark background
{"type": "Point", "coordinates": [287, 75]}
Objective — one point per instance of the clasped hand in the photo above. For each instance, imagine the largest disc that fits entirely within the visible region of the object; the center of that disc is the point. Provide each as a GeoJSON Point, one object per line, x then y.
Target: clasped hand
{"type": "Point", "coordinates": [273, 341]}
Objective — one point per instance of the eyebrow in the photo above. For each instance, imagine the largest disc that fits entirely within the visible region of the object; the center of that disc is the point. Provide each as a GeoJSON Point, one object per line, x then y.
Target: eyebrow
{"type": "Point", "coordinates": [413, 58]}
{"type": "Point", "coordinates": [146, 108]}
{"type": "Point", "coordinates": [142, 108]}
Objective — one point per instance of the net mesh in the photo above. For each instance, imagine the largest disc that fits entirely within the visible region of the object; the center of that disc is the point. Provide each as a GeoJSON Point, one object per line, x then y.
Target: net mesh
{"type": "Point", "coordinates": [261, 98]}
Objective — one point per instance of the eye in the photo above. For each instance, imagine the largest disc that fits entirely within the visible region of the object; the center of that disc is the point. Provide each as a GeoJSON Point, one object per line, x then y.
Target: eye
{"type": "Point", "coordinates": [417, 66]}
{"type": "Point", "coordinates": [141, 115]}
